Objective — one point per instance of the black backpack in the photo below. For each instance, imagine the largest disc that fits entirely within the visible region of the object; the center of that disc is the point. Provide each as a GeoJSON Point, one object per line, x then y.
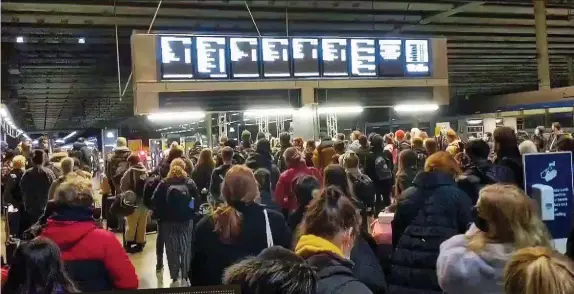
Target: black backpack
{"type": "Point", "coordinates": [180, 202]}
{"type": "Point", "coordinates": [364, 189]}
{"type": "Point", "coordinates": [421, 159]}
{"type": "Point", "coordinates": [119, 171]}
{"type": "Point", "coordinates": [382, 169]}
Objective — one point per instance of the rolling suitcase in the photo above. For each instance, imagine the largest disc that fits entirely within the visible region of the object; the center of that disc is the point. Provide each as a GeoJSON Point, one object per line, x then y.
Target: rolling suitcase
{"type": "Point", "coordinates": [12, 231]}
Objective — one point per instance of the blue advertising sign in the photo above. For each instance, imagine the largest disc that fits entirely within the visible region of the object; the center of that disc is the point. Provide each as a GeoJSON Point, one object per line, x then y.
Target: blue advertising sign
{"type": "Point", "coordinates": [548, 178]}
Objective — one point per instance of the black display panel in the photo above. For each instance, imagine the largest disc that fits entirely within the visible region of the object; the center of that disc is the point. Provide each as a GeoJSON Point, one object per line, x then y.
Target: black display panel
{"type": "Point", "coordinates": [244, 57]}
{"type": "Point", "coordinates": [335, 62]}
{"type": "Point", "coordinates": [417, 57]}
{"type": "Point", "coordinates": [275, 52]}
{"type": "Point", "coordinates": [363, 58]}
{"type": "Point", "coordinates": [391, 58]}
{"type": "Point", "coordinates": [176, 61]}
{"type": "Point", "coordinates": [211, 57]}
{"type": "Point", "coordinates": [305, 57]}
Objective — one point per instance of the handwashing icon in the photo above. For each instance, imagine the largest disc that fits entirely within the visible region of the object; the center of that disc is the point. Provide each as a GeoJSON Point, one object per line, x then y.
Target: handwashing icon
{"type": "Point", "coordinates": [550, 172]}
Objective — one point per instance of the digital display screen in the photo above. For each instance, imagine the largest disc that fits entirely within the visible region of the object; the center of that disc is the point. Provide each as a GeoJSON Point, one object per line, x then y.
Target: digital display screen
{"type": "Point", "coordinates": [305, 57]}
{"type": "Point", "coordinates": [244, 57]}
{"type": "Point", "coordinates": [211, 61]}
{"type": "Point", "coordinates": [176, 57]}
{"type": "Point", "coordinates": [363, 58]}
{"type": "Point", "coordinates": [391, 61]}
{"type": "Point", "coordinates": [275, 57]}
{"type": "Point", "coordinates": [335, 57]}
{"type": "Point", "coordinates": [417, 56]}
{"type": "Point", "coordinates": [237, 57]}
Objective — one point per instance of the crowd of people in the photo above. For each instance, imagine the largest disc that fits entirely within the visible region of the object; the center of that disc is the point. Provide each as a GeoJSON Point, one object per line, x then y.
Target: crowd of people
{"type": "Point", "coordinates": [294, 218]}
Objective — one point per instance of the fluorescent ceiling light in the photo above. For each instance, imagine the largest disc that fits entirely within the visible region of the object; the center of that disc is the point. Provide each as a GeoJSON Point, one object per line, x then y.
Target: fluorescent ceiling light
{"type": "Point", "coordinates": [474, 121]}
{"type": "Point", "coordinates": [26, 136]}
{"type": "Point", "coordinates": [416, 107]}
{"type": "Point", "coordinates": [81, 40]}
{"type": "Point", "coordinates": [60, 141]}
{"type": "Point", "coordinates": [269, 112]}
{"type": "Point", "coordinates": [19, 39]}
{"type": "Point", "coordinates": [109, 134]}
{"type": "Point", "coordinates": [35, 142]}
{"type": "Point", "coordinates": [176, 116]}
{"type": "Point", "coordinates": [339, 109]}
{"type": "Point", "coordinates": [70, 135]}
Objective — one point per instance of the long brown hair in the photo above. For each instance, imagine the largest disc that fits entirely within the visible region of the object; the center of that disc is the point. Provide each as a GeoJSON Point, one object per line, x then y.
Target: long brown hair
{"type": "Point", "coordinates": [442, 162]}
{"type": "Point", "coordinates": [511, 218]}
{"type": "Point", "coordinates": [538, 270]}
{"type": "Point", "coordinates": [205, 158]}
{"type": "Point", "coordinates": [239, 185]}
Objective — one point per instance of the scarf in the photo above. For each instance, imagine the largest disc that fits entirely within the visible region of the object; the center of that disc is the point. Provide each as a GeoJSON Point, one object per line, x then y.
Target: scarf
{"type": "Point", "coordinates": [73, 213]}
{"type": "Point", "coordinates": [310, 244]}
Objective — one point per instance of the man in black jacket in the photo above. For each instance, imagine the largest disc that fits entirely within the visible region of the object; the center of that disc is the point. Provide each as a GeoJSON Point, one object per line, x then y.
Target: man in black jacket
{"type": "Point", "coordinates": [35, 185]}
{"type": "Point", "coordinates": [219, 174]}
{"type": "Point", "coordinates": [81, 151]}
{"type": "Point", "coordinates": [262, 158]}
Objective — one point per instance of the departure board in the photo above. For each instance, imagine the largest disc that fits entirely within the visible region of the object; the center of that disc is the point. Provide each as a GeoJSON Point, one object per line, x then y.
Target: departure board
{"type": "Point", "coordinates": [305, 57]}
{"type": "Point", "coordinates": [211, 61]}
{"type": "Point", "coordinates": [176, 57]}
{"type": "Point", "coordinates": [248, 57]}
{"type": "Point", "coordinates": [275, 57]}
{"type": "Point", "coordinates": [363, 58]}
{"type": "Point", "coordinates": [335, 57]}
{"type": "Point", "coordinates": [417, 56]}
{"type": "Point", "coordinates": [244, 57]}
{"type": "Point", "coordinates": [391, 62]}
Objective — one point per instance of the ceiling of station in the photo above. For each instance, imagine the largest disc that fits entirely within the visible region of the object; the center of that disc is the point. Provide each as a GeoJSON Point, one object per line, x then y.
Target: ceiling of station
{"type": "Point", "coordinates": [52, 81]}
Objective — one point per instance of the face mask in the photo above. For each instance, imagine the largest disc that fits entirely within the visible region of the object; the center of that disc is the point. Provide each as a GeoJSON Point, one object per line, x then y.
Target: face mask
{"type": "Point", "coordinates": [479, 222]}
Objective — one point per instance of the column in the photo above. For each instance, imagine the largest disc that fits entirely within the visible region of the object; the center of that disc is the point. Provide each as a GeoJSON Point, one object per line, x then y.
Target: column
{"type": "Point", "coordinates": [306, 120]}
{"type": "Point", "coordinates": [542, 45]}
{"type": "Point", "coordinates": [209, 129]}
{"type": "Point", "coordinates": [570, 69]}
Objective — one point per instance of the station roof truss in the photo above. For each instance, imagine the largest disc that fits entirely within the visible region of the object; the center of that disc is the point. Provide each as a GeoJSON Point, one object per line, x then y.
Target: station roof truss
{"type": "Point", "coordinates": [54, 81]}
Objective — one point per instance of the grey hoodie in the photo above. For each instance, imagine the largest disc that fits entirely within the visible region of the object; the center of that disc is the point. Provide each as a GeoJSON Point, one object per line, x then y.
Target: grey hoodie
{"type": "Point", "coordinates": [460, 270]}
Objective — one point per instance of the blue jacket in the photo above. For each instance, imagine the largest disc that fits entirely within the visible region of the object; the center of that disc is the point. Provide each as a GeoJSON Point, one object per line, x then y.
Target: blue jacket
{"type": "Point", "coordinates": [430, 212]}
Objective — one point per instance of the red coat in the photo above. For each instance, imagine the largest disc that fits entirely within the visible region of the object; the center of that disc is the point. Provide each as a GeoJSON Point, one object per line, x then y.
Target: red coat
{"type": "Point", "coordinates": [94, 258]}
{"type": "Point", "coordinates": [284, 194]}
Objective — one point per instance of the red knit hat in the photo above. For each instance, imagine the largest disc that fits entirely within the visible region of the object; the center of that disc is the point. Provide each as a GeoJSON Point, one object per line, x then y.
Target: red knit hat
{"type": "Point", "coordinates": [399, 135]}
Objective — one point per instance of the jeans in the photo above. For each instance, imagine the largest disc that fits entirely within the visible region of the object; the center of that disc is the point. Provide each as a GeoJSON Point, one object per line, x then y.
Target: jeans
{"type": "Point", "coordinates": [160, 242]}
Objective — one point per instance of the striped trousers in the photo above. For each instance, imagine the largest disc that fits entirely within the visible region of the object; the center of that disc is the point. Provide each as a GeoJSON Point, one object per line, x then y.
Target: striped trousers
{"type": "Point", "coordinates": [178, 237]}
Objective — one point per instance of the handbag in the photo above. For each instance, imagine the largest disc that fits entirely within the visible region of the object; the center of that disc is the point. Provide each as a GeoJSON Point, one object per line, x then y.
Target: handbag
{"type": "Point", "coordinates": [124, 203]}
{"type": "Point", "coordinates": [268, 230]}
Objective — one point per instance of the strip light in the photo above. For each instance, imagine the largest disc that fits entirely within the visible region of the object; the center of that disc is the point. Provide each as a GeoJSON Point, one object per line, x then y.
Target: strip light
{"type": "Point", "coordinates": [340, 109]}
{"type": "Point", "coordinates": [176, 116]}
{"type": "Point", "coordinates": [420, 107]}
{"type": "Point", "coordinates": [70, 135]}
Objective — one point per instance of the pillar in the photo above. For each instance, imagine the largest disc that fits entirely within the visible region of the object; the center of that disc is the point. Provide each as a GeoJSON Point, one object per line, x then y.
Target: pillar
{"type": "Point", "coordinates": [542, 45]}
{"type": "Point", "coordinates": [209, 129]}
{"type": "Point", "coordinates": [306, 120]}
{"type": "Point", "coordinates": [570, 69]}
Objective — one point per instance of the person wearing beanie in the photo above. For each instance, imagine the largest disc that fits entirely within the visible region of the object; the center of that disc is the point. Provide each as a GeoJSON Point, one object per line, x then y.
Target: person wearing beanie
{"type": "Point", "coordinates": [117, 164]}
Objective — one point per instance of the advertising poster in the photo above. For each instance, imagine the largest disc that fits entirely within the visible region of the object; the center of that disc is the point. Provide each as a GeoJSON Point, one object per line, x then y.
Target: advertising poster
{"type": "Point", "coordinates": [548, 178]}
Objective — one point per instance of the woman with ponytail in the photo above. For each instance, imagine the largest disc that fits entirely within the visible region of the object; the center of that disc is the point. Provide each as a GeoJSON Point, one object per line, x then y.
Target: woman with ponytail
{"type": "Point", "coordinates": [239, 228]}
{"type": "Point", "coordinates": [175, 200]}
{"type": "Point", "coordinates": [328, 232]}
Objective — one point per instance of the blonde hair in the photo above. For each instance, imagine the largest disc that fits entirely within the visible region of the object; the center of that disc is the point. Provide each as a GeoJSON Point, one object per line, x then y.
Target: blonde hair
{"type": "Point", "coordinates": [239, 185]}
{"type": "Point", "coordinates": [19, 162]}
{"type": "Point", "coordinates": [538, 270]}
{"type": "Point", "coordinates": [75, 191]}
{"type": "Point", "coordinates": [511, 218]}
{"type": "Point", "coordinates": [177, 169]}
{"type": "Point", "coordinates": [67, 165]}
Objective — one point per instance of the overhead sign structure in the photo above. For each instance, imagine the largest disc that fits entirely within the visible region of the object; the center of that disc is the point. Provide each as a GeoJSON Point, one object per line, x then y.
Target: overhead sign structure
{"type": "Point", "coordinates": [237, 57]}
{"type": "Point", "coordinates": [548, 178]}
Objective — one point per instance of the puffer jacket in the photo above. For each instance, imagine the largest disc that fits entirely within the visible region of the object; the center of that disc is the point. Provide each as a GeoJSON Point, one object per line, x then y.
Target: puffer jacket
{"type": "Point", "coordinates": [335, 275]}
{"type": "Point", "coordinates": [461, 270]}
{"type": "Point", "coordinates": [323, 155]}
{"type": "Point", "coordinates": [430, 212]}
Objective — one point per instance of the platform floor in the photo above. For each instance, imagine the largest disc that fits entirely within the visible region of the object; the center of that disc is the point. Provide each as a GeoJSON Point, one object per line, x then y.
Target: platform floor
{"type": "Point", "coordinates": [145, 261]}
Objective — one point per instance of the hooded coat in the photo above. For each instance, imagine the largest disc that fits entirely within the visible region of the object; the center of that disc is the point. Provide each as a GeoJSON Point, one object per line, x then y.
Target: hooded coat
{"type": "Point", "coordinates": [461, 270]}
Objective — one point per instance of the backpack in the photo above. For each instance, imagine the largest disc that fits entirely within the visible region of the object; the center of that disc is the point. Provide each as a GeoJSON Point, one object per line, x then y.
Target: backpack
{"type": "Point", "coordinates": [382, 169]}
{"type": "Point", "coordinates": [126, 202]}
{"type": "Point", "coordinates": [180, 203]}
{"type": "Point", "coordinates": [364, 190]}
{"type": "Point", "coordinates": [150, 185]}
{"type": "Point", "coordinates": [118, 172]}
{"type": "Point", "coordinates": [421, 159]}
{"type": "Point", "coordinates": [79, 155]}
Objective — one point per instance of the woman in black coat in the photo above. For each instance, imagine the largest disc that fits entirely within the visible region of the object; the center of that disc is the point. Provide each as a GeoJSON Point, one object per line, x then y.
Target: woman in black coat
{"type": "Point", "coordinates": [507, 153]}
{"type": "Point", "coordinates": [236, 230]}
{"type": "Point", "coordinates": [428, 213]}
